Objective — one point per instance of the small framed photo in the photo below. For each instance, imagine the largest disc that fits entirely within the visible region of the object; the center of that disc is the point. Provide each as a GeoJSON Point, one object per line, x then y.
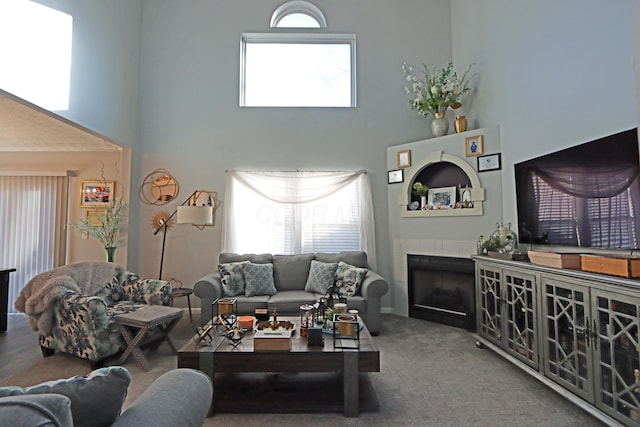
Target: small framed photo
{"type": "Point", "coordinates": [93, 216]}
{"type": "Point", "coordinates": [442, 198]}
{"type": "Point", "coordinates": [473, 145]}
{"type": "Point", "coordinates": [490, 162]}
{"type": "Point", "coordinates": [396, 176]}
{"type": "Point", "coordinates": [96, 193]}
{"type": "Point", "coordinates": [404, 159]}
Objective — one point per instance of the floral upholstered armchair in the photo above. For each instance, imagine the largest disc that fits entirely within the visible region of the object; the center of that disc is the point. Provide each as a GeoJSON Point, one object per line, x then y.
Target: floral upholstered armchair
{"type": "Point", "coordinates": [74, 307]}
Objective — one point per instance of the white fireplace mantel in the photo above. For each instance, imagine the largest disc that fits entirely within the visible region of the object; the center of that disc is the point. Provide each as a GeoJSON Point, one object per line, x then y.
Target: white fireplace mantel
{"type": "Point", "coordinates": [477, 192]}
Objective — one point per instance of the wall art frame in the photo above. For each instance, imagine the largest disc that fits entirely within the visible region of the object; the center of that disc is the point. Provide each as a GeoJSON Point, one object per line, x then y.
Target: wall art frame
{"type": "Point", "coordinates": [395, 176]}
{"type": "Point", "coordinates": [490, 162]}
{"type": "Point", "coordinates": [473, 146]}
{"type": "Point", "coordinates": [404, 159]}
{"type": "Point", "coordinates": [97, 193]}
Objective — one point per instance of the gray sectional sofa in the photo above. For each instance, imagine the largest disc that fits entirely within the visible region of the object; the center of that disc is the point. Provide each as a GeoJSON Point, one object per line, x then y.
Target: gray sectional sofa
{"type": "Point", "coordinates": [290, 274]}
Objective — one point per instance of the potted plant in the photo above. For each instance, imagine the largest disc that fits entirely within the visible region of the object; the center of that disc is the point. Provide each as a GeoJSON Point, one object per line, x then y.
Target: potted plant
{"type": "Point", "coordinates": [421, 191]}
{"type": "Point", "coordinates": [435, 92]}
{"type": "Point", "coordinates": [105, 226]}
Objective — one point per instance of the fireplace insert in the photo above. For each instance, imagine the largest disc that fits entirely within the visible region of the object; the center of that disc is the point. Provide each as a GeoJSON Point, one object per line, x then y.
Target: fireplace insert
{"type": "Point", "coordinates": [441, 289]}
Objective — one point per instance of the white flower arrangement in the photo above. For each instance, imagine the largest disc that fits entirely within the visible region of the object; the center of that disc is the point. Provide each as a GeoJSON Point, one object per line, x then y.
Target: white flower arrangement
{"type": "Point", "coordinates": [437, 90]}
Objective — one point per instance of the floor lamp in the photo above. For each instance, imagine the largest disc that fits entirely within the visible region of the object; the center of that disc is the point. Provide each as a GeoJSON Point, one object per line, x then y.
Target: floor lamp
{"type": "Point", "coordinates": [194, 211]}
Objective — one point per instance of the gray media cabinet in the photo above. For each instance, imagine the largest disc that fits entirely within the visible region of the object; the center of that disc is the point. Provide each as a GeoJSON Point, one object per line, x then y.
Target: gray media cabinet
{"type": "Point", "coordinates": [577, 332]}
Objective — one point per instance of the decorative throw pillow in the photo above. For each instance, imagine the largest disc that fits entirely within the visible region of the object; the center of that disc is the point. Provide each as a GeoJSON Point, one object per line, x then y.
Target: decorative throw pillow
{"type": "Point", "coordinates": [349, 278]}
{"type": "Point", "coordinates": [232, 278]}
{"type": "Point", "coordinates": [96, 399]}
{"type": "Point", "coordinates": [321, 276]}
{"type": "Point", "coordinates": [259, 279]}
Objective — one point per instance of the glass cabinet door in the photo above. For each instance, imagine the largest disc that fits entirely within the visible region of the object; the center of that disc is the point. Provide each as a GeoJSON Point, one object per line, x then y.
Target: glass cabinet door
{"type": "Point", "coordinates": [520, 316]}
{"type": "Point", "coordinates": [617, 353]}
{"type": "Point", "coordinates": [489, 303]}
{"type": "Point", "coordinates": [568, 358]}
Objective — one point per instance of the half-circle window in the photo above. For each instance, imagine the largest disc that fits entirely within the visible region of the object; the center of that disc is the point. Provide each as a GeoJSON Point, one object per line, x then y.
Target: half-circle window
{"type": "Point", "coordinates": [298, 14]}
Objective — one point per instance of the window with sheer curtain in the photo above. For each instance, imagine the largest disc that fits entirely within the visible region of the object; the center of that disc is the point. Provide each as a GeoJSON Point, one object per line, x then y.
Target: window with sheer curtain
{"type": "Point", "coordinates": [298, 212]}
{"type": "Point", "coordinates": [32, 227]}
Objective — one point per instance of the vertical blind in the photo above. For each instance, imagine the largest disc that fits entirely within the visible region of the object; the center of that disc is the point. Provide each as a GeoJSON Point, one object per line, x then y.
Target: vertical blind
{"type": "Point", "coordinates": [33, 212]}
{"type": "Point", "coordinates": [298, 212]}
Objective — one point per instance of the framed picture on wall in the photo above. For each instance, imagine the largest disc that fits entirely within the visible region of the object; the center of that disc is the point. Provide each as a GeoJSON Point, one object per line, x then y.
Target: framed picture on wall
{"type": "Point", "coordinates": [396, 176]}
{"type": "Point", "coordinates": [93, 216]}
{"type": "Point", "coordinates": [473, 145]}
{"type": "Point", "coordinates": [404, 159]}
{"type": "Point", "coordinates": [96, 193]}
{"type": "Point", "coordinates": [490, 162]}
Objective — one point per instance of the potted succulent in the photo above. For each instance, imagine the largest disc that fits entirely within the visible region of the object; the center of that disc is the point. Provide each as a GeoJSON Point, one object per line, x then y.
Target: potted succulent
{"type": "Point", "coordinates": [421, 191]}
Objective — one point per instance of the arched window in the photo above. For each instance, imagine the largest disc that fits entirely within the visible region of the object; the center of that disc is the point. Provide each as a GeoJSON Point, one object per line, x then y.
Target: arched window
{"type": "Point", "coordinates": [298, 14]}
{"type": "Point", "coordinates": [275, 65]}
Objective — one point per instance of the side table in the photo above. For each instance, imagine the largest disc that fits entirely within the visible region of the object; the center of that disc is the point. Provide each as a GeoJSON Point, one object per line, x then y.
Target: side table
{"type": "Point", "coordinates": [144, 319]}
{"type": "Point", "coordinates": [183, 292]}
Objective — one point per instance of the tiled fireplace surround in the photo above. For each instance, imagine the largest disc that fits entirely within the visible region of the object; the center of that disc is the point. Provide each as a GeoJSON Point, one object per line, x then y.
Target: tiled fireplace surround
{"type": "Point", "coordinates": [447, 236]}
{"type": "Point", "coordinates": [433, 247]}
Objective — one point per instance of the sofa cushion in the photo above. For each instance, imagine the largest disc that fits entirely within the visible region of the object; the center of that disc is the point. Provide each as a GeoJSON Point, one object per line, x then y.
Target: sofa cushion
{"type": "Point", "coordinates": [36, 410]}
{"type": "Point", "coordinates": [321, 276]}
{"type": "Point", "coordinates": [232, 278]}
{"type": "Point", "coordinates": [259, 279]}
{"type": "Point", "coordinates": [290, 272]}
{"type": "Point", "coordinates": [96, 399]}
{"type": "Point", "coordinates": [226, 257]}
{"type": "Point", "coordinates": [349, 278]}
{"type": "Point", "coordinates": [357, 258]}
{"type": "Point", "coordinates": [289, 302]}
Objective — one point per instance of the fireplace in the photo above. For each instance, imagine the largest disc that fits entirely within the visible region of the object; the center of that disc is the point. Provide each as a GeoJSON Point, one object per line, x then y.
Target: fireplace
{"type": "Point", "coordinates": [441, 289]}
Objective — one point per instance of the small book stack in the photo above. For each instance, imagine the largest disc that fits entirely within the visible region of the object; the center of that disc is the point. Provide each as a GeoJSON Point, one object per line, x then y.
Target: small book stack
{"type": "Point", "coordinates": [267, 340]}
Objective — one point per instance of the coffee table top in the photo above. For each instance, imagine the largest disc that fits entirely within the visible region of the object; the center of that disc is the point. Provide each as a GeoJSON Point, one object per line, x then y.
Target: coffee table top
{"type": "Point", "coordinates": [301, 357]}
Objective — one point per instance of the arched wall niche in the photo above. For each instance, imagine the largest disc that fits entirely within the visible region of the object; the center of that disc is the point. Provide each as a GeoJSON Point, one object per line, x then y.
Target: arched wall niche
{"type": "Point", "coordinates": [443, 160]}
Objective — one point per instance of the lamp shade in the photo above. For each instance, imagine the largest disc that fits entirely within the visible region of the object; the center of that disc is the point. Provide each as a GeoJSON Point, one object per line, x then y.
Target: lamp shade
{"type": "Point", "coordinates": [202, 215]}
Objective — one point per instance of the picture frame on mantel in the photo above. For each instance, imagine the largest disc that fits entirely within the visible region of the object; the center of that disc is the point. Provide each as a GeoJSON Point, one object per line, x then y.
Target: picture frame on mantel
{"type": "Point", "coordinates": [473, 145]}
{"type": "Point", "coordinates": [490, 162]}
{"type": "Point", "coordinates": [404, 159]}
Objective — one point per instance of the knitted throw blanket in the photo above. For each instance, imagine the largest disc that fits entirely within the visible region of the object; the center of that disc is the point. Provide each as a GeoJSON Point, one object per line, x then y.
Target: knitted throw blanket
{"type": "Point", "coordinates": [37, 298]}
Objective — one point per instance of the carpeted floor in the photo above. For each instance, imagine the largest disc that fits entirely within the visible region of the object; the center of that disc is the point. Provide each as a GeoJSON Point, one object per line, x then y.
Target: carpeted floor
{"type": "Point", "coordinates": [431, 375]}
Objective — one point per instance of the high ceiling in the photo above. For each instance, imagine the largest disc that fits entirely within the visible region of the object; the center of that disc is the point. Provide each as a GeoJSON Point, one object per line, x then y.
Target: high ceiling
{"type": "Point", "coordinates": [26, 127]}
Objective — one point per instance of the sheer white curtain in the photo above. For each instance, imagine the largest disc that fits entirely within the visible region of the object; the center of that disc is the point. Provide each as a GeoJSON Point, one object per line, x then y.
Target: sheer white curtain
{"type": "Point", "coordinates": [33, 212]}
{"type": "Point", "coordinates": [297, 212]}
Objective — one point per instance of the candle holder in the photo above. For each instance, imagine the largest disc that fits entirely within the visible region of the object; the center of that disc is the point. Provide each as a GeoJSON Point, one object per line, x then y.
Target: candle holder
{"type": "Point", "coordinates": [225, 313]}
{"type": "Point", "coordinates": [346, 331]}
{"type": "Point", "coordinates": [306, 319]}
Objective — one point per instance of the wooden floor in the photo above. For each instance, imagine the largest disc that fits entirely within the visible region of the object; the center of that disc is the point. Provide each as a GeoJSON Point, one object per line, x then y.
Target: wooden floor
{"type": "Point", "coordinates": [19, 347]}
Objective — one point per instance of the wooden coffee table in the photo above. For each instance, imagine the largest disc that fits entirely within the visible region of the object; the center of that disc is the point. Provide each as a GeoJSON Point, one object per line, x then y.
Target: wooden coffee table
{"type": "Point", "coordinates": [221, 357]}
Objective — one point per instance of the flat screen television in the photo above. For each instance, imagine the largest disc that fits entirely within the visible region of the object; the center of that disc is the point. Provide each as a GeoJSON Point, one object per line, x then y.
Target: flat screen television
{"type": "Point", "coordinates": [584, 196]}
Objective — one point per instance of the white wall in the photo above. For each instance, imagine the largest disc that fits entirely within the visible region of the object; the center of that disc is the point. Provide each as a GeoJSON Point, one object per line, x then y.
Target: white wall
{"type": "Point", "coordinates": [551, 74]}
{"type": "Point", "coordinates": [192, 125]}
{"type": "Point", "coordinates": [104, 83]}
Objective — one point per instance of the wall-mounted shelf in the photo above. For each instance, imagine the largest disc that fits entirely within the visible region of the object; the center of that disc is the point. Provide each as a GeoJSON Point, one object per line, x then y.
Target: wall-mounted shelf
{"type": "Point", "coordinates": [437, 157]}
